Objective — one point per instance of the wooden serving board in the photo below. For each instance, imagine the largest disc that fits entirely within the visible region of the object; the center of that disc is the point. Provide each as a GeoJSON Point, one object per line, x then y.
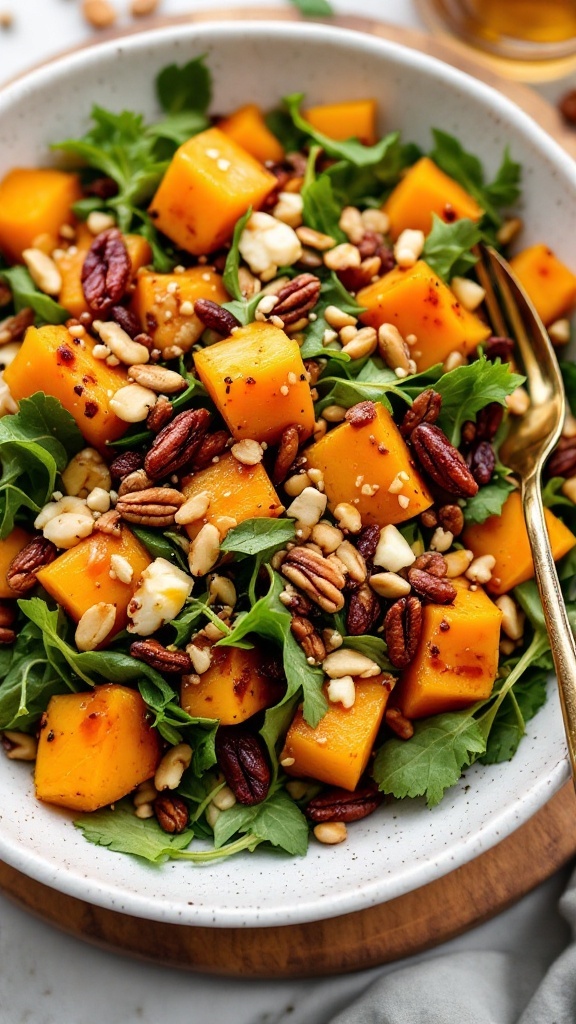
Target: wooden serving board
{"type": "Point", "coordinates": [423, 918]}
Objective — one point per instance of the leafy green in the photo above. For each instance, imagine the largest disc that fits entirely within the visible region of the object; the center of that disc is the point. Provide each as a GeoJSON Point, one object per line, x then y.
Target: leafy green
{"type": "Point", "coordinates": [121, 831]}
{"type": "Point", "coordinates": [25, 294]}
{"type": "Point", "coordinates": [184, 88]}
{"type": "Point", "coordinates": [467, 389]}
{"type": "Point", "coordinates": [259, 538]}
{"type": "Point", "coordinates": [321, 211]}
{"type": "Point", "coordinates": [374, 383]}
{"type": "Point", "coordinates": [332, 293]}
{"type": "Point", "coordinates": [159, 546]}
{"type": "Point", "coordinates": [28, 681]}
{"type": "Point", "coordinates": [449, 154]}
{"type": "Point", "coordinates": [230, 277]}
{"type": "Point", "coordinates": [488, 501]}
{"type": "Point", "coordinates": [368, 185]}
{"type": "Point", "coordinates": [277, 821]}
{"type": "Point", "coordinates": [373, 647]}
{"type": "Point", "coordinates": [447, 247]}
{"type": "Point", "coordinates": [314, 8]}
{"type": "Point", "coordinates": [351, 150]}
{"type": "Point", "coordinates": [518, 707]}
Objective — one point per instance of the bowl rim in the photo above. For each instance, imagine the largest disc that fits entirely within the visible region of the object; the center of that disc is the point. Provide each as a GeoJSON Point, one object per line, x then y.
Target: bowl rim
{"type": "Point", "coordinates": [76, 883]}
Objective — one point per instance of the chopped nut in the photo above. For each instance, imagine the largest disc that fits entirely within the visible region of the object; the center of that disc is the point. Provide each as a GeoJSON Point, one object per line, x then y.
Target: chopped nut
{"type": "Point", "coordinates": [172, 767]}
{"type": "Point", "coordinates": [351, 224]}
{"type": "Point", "coordinates": [513, 618]}
{"type": "Point", "coordinates": [99, 13]}
{"type": "Point", "coordinates": [315, 239]}
{"type": "Point", "coordinates": [337, 318]}
{"type": "Point", "coordinates": [342, 691]}
{"type": "Point", "coordinates": [389, 585]}
{"type": "Point", "coordinates": [518, 402]}
{"type": "Point", "coordinates": [480, 569]}
{"type": "Point", "coordinates": [362, 344]}
{"type": "Point", "coordinates": [157, 378]}
{"type": "Point", "coordinates": [19, 746]}
{"type": "Point", "coordinates": [393, 551]}
{"type": "Point", "coordinates": [348, 662]}
{"type": "Point", "coordinates": [98, 221]}
{"type": "Point", "coordinates": [120, 343]}
{"type": "Point", "coordinates": [334, 413]}
{"type": "Point", "coordinates": [559, 332]}
{"type": "Point", "coordinates": [393, 349]}
{"type": "Point", "coordinates": [457, 562]}
{"type": "Point", "coordinates": [408, 247]}
{"type": "Point", "coordinates": [308, 507]}
{"type": "Point", "coordinates": [441, 540]}
{"type": "Point", "coordinates": [248, 452]}
{"type": "Point", "coordinates": [342, 256]}
{"type": "Point", "coordinates": [296, 484]}
{"type": "Point", "coordinates": [396, 721]}
{"type": "Point", "coordinates": [289, 208]}
{"type": "Point", "coordinates": [204, 550]}
{"type": "Point", "coordinates": [95, 626]}
{"type": "Point", "coordinates": [193, 509]}
{"type": "Point", "coordinates": [132, 403]}
{"type": "Point", "coordinates": [84, 472]}
{"type": "Point", "coordinates": [348, 517]}
{"type": "Point", "coordinates": [43, 271]}
{"type": "Point", "coordinates": [331, 833]}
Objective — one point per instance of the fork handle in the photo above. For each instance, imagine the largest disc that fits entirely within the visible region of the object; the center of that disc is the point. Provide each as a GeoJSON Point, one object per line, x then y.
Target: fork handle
{"type": "Point", "coordinates": [559, 630]}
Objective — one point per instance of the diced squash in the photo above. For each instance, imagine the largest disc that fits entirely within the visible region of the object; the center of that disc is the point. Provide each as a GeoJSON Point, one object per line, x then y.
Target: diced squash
{"type": "Point", "coordinates": [50, 360]}
{"type": "Point", "coordinates": [549, 283]}
{"type": "Point", "coordinates": [257, 380]}
{"type": "Point", "coordinates": [360, 462]}
{"type": "Point", "coordinates": [337, 751]}
{"type": "Point", "coordinates": [80, 576]}
{"type": "Point", "coordinates": [236, 491]}
{"type": "Point", "coordinates": [210, 183]}
{"type": "Point", "coordinates": [34, 202]}
{"type": "Point", "coordinates": [164, 305]}
{"type": "Point", "coordinates": [247, 127]}
{"type": "Point", "coordinates": [70, 263]}
{"type": "Point", "coordinates": [425, 190]}
{"type": "Point", "coordinates": [352, 119]}
{"type": "Point", "coordinates": [457, 657]}
{"type": "Point", "coordinates": [417, 302]}
{"type": "Point", "coordinates": [505, 536]}
{"type": "Point", "coordinates": [9, 548]}
{"type": "Point", "coordinates": [236, 686]}
{"type": "Point", "coordinates": [94, 748]}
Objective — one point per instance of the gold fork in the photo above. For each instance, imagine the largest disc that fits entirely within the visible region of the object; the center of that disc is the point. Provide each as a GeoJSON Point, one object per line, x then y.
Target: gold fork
{"type": "Point", "coordinates": [531, 438]}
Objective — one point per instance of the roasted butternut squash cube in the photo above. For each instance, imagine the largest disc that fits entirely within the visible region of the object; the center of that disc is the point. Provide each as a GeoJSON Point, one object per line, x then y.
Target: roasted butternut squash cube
{"type": "Point", "coordinates": [70, 263]}
{"type": "Point", "coordinates": [236, 686]}
{"type": "Point", "coordinates": [164, 305]}
{"type": "Point", "coordinates": [94, 748]}
{"type": "Point", "coordinates": [425, 190]}
{"type": "Point", "coordinates": [211, 182]}
{"type": "Point", "coordinates": [417, 302]}
{"type": "Point", "coordinates": [352, 119]}
{"type": "Point", "coordinates": [457, 657]}
{"type": "Point", "coordinates": [257, 380]}
{"type": "Point", "coordinates": [360, 463]}
{"type": "Point", "coordinates": [337, 751]}
{"type": "Point", "coordinates": [34, 202]}
{"type": "Point", "coordinates": [81, 576]}
{"type": "Point", "coordinates": [51, 360]}
{"type": "Point", "coordinates": [9, 548]}
{"type": "Point", "coordinates": [247, 127]}
{"type": "Point", "coordinates": [506, 538]}
{"type": "Point", "coordinates": [549, 283]}
{"type": "Point", "coordinates": [236, 492]}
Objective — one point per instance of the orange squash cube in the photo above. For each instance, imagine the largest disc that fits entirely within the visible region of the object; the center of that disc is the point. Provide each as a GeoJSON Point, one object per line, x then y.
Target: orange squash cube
{"type": "Point", "coordinates": [549, 283]}
{"type": "Point", "coordinates": [337, 751]}
{"type": "Point", "coordinates": [417, 302]}
{"type": "Point", "coordinates": [236, 491]}
{"type": "Point", "coordinates": [352, 119]}
{"type": "Point", "coordinates": [425, 190]}
{"type": "Point", "coordinates": [94, 748]}
{"type": "Point", "coordinates": [360, 462]}
{"type": "Point", "coordinates": [50, 360]}
{"type": "Point", "coordinates": [257, 380]}
{"type": "Point", "coordinates": [457, 658]}
{"type": "Point", "coordinates": [236, 686]}
{"type": "Point", "coordinates": [247, 127]}
{"type": "Point", "coordinates": [9, 548]}
{"type": "Point", "coordinates": [34, 202]}
{"type": "Point", "coordinates": [506, 538]}
{"type": "Point", "coordinates": [70, 263]}
{"type": "Point", "coordinates": [164, 304]}
{"type": "Point", "coordinates": [80, 576]}
{"type": "Point", "coordinates": [211, 182]}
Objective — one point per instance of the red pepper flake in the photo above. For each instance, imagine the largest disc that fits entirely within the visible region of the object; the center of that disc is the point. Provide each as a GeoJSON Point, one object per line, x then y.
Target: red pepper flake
{"type": "Point", "coordinates": [434, 650]}
{"type": "Point", "coordinates": [78, 389]}
{"type": "Point", "coordinates": [444, 626]}
{"type": "Point", "coordinates": [90, 410]}
{"type": "Point", "coordinates": [65, 356]}
{"type": "Point", "coordinates": [250, 380]}
{"type": "Point", "coordinates": [449, 213]}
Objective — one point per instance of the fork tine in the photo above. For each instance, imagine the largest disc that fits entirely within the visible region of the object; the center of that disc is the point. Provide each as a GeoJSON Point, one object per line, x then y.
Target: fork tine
{"type": "Point", "coordinates": [482, 269]}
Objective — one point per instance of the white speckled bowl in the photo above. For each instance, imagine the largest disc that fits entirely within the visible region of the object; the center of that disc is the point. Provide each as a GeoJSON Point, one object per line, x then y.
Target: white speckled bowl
{"type": "Point", "coordinates": [403, 846]}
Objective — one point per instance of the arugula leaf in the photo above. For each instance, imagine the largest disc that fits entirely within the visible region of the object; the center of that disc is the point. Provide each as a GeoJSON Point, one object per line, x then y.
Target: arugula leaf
{"type": "Point", "coordinates": [25, 294]}
{"type": "Point", "coordinates": [122, 832]}
{"type": "Point", "coordinates": [467, 389]}
{"type": "Point", "coordinates": [28, 681]}
{"type": "Point", "coordinates": [185, 88]}
{"type": "Point", "coordinates": [432, 760]}
{"type": "Point", "coordinates": [276, 723]}
{"type": "Point", "coordinates": [447, 247]}
{"type": "Point", "coordinates": [374, 383]}
{"type": "Point", "coordinates": [159, 546]}
{"type": "Point", "coordinates": [269, 618]}
{"type": "Point", "coordinates": [467, 170]}
{"type": "Point", "coordinates": [314, 8]}
{"type": "Point", "coordinates": [259, 537]}
{"type": "Point", "coordinates": [332, 293]}
{"type": "Point", "coordinates": [321, 211]}
{"type": "Point", "coordinates": [277, 821]}
{"type": "Point", "coordinates": [518, 707]}
{"type": "Point", "coordinates": [505, 189]}
{"type": "Point", "coordinates": [367, 186]}
{"type": "Point", "coordinates": [488, 501]}
{"type": "Point", "coordinates": [230, 276]}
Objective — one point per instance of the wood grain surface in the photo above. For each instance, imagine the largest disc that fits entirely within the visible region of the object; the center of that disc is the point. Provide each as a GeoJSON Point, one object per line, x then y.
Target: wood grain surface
{"type": "Point", "coordinates": [423, 918]}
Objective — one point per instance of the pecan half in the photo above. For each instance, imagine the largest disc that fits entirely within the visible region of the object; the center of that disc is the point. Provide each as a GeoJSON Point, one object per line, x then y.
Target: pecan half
{"type": "Point", "coordinates": [109, 523]}
{"type": "Point", "coordinates": [361, 414]}
{"type": "Point", "coordinates": [177, 444]}
{"type": "Point", "coordinates": [367, 542]}
{"type": "Point", "coordinates": [21, 574]}
{"type": "Point", "coordinates": [320, 579]}
{"type": "Point", "coordinates": [171, 813]}
{"type": "Point", "coordinates": [363, 610]}
{"type": "Point", "coordinates": [562, 462]}
{"type": "Point", "coordinates": [287, 452]}
{"type": "Point", "coordinates": [425, 409]}
{"type": "Point", "coordinates": [432, 562]}
{"type": "Point", "coordinates": [499, 348]}
{"type": "Point", "coordinates": [211, 448]}
{"type": "Point", "coordinates": [159, 657]}
{"type": "Point", "coordinates": [434, 588]}
{"type": "Point", "coordinates": [451, 517]}
{"type": "Point", "coordinates": [136, 481]}
{"type": "Point", "coordinates": [127, 320]}
{"type": "Point", "coordinates": [215, 317]}
{"type": "Point", "coordinates": [126, 463]}
{"type": "Point", "coordinates": [340, 805]}
{"type": "Point", "coordinates": [482, 462]}
{"type": "Point", "coordinates": [106, 271]}
{"type": "Point", "coordinates": [297, 298]}
{"type": "Point", "coordinates": [310, 641]}
{"type": "Point", "coordinates": [155, 506]}
{"type": "Point", "coordinates": [442, 461]}
{"type": "Point", "coordinates": [242, 759]}
{"type": "Point", "coordinates": [402, 630]}
{"type": "Point", "coordinates": [160, 415]}
{"type": "Point", "coordinates": [14, 327]}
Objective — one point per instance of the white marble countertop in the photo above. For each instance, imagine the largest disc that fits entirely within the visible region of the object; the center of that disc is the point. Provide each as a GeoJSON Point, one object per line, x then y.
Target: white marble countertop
{"type": "Point", "coordinates": [46, 977]}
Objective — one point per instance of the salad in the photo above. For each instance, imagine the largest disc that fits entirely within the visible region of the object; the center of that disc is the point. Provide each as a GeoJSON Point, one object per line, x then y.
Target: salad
{"type": "Point", "coordinates": [262, 568]}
